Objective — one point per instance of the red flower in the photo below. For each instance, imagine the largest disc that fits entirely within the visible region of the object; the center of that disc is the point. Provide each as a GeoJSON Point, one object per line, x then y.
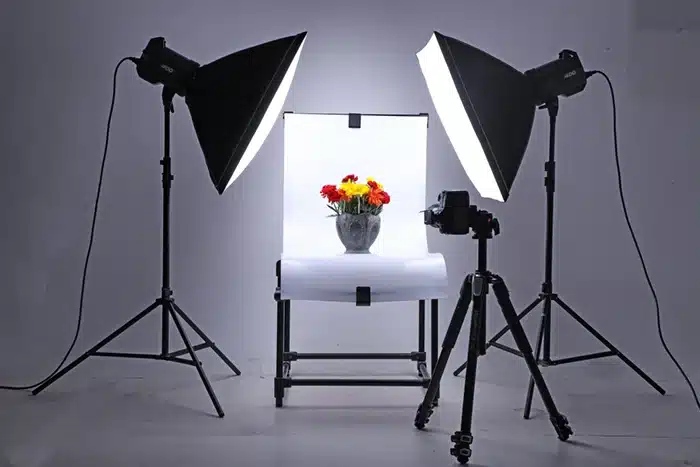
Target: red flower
{"type": "Point", "coordinates": [373, 185]}
{"type": "Point", "coordinates": [385, 197]}
{"type": "Point", "coordinates": [328, 190]}
{"type": "Point", "coordinates": [350, 178]}
{"type": "Point", "coordinates": [334, 197]}
{"type": "Point", "coordinates": [332, 194]}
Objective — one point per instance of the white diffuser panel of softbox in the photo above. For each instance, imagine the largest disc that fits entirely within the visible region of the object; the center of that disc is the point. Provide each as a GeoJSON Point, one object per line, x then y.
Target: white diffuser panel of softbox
{"type": "Point", "coordinates": [320, 149]}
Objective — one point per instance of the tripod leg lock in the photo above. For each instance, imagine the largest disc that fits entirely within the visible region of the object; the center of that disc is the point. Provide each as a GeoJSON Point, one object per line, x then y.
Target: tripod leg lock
{"type": "Point", "coordinates": [478, 285]}
{"type": "Point", "coordinates": [459, 437]}
{"type": "Point", "coordinates": [462, 448]}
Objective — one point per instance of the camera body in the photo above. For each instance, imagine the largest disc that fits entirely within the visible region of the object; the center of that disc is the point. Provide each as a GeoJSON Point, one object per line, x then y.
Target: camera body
{"type": "Point", "coordinates": [452, 214]}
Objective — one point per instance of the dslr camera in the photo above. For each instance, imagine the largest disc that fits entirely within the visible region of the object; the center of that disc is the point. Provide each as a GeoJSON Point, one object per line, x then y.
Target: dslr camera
{"type": "Point", "coordinates": [450, 214]}
{"type": "Point", "coordinates": [453, 215]}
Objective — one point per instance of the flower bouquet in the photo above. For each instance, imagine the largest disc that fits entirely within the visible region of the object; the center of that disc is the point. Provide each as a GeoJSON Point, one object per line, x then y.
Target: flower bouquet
{"type": "Point", "coordinates": [356, 207]}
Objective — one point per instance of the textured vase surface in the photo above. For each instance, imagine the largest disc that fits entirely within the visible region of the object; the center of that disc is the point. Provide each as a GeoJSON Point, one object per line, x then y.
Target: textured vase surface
{"type": "Point", "coordinates": [357, 232]}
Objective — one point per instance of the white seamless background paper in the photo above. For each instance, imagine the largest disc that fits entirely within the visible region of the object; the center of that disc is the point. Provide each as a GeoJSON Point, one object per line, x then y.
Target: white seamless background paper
{"type": "Point", "coordinates": [321, 149]}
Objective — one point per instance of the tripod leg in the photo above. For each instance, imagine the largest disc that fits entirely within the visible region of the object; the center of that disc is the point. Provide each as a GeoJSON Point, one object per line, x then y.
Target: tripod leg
{"type": "Point", "coordinates": [206, 339]}
{"type": "Point", "coordinates": [531, 384]}
{"type": "Point", "coordinates": [559, 421]}
{"type": "Point", "coordinates": [503, 331]}
{"type": "Point", "coordinates": [463, 438]}
{"type": "Point", "coordinates": [195, 360]}
{"type": "Point", "coordinates": [606, 343]}
{"type": "Point", "coordinates": [97, 347]}
{"type": "Point", "coordinates": [455, 326]}
{"type": "Point", "coordinates": [522, 314]}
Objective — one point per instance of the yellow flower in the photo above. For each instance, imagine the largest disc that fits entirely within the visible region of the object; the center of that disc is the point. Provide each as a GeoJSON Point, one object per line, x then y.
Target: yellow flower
{"type": "Point", "coordinates": [362, 189]}
{"type": "Point", "coordinates": [354, 189]}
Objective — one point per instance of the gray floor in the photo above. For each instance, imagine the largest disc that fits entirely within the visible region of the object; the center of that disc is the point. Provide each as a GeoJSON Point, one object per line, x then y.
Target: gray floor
{"type": "Point", "coordinates": [111, 413]}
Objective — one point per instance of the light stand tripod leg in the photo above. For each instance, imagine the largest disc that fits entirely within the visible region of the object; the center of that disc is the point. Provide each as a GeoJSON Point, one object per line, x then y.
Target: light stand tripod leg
{"type": "Point", "coordinates": [606, 343]}
{"type": "Point", "coordinates": [559, 421]}
{"type": "Point", "coordinates": [206, 339]}
{"type": "Point", "coordinates": [193, 356]}
{"type": "Point", "coordinates": [503, 331]}
{"type": "Point", "coordinates": [531, 384]}
{"type": "Point", "coordinates": [455, 326]}
{"type": "Point", "coordinates": [97, 347]}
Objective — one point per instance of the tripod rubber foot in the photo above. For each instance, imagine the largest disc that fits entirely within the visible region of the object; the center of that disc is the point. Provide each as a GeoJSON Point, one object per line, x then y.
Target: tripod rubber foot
{"type": "Point", "coordinates": [462, 448]}
{"type": "Point", "coordinates": [422, 417]}
{"type": "Point", "coordinates": [561, 426]}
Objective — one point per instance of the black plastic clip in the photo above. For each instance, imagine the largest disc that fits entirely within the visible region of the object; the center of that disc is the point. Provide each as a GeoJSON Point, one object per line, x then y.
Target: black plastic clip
{"type": "Point", "coordinates": [363, 296]}
{"type": "Point", "coordinates": [354, 120]}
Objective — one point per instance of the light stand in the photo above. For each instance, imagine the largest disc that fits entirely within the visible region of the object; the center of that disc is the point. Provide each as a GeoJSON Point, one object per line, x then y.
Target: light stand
{"type": "Point", "coordinates": [547, 296]}
{"type": "Point", "coordinates": [233, 102]}
{"type": "Point", "coordinates": [475, 289]}
{"type": "Point", "coordinates": [166, 302]}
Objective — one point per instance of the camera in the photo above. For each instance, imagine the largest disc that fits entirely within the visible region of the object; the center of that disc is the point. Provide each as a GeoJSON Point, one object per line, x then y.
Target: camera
{"type": "Point", "coordinates": [453, 215]}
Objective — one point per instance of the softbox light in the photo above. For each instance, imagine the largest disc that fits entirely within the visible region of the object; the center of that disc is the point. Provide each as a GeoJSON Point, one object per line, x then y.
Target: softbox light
{"type": "Point", "coordinates": [235, 100]}
{"type": "Point", "coordinates": [487, 109]}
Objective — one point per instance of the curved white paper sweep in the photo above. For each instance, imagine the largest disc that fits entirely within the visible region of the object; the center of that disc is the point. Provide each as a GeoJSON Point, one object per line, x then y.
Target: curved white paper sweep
{"type": "Point", "coordinates": [390, 279]}
{"type": "Point", "coordinates": [320, 149]}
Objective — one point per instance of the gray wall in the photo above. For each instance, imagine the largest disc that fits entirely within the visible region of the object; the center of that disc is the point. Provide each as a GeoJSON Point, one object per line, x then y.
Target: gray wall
{"type": "Point", "coordinates": [58, 59]}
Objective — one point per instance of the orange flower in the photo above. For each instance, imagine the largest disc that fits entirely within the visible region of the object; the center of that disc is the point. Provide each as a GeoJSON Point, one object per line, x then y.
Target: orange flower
{"type": "Point", "coordinates": [375, 197]}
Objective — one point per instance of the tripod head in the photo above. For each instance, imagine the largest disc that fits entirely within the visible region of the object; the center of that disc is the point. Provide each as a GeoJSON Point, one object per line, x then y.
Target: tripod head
{"type": "Point", "coordinates": [484, 225]}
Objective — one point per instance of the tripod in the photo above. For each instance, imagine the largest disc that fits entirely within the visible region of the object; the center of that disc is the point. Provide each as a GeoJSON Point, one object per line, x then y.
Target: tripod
{"type": "Point", "coordinates": [547, 296]}
{"type": "Point", "coordinates": [475, 288]}
{"type": "Point", "coordinates": [166, 302]}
